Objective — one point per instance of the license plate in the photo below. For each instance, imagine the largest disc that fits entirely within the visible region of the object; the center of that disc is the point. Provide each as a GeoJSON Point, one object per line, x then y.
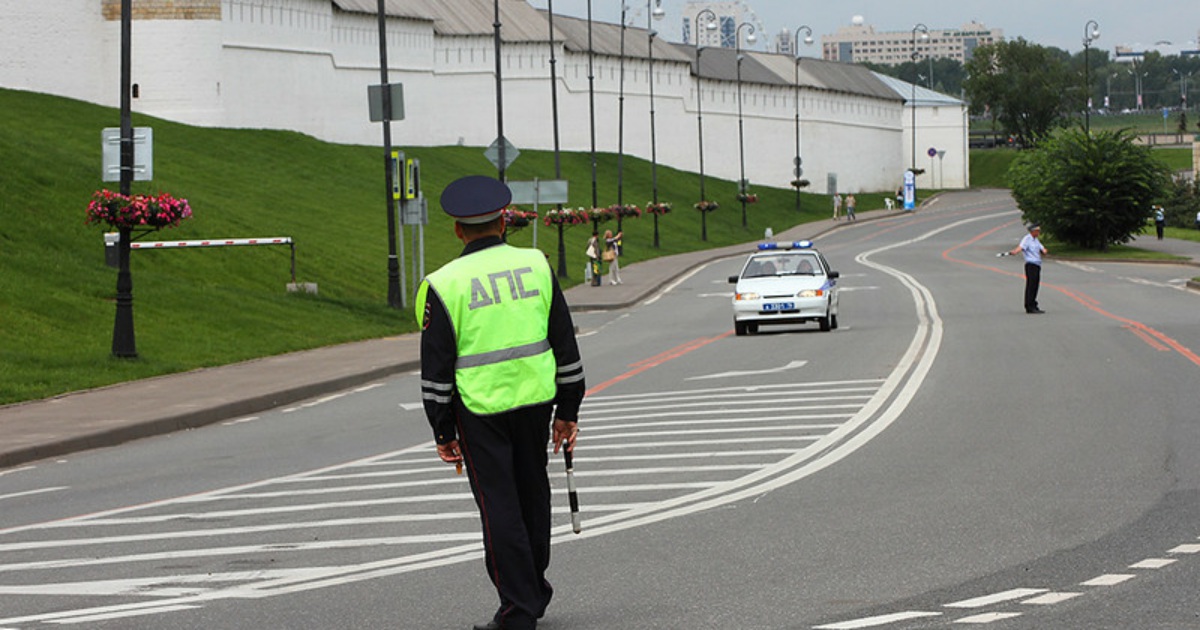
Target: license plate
{"type": "Point", "coordinates": [779, 306]}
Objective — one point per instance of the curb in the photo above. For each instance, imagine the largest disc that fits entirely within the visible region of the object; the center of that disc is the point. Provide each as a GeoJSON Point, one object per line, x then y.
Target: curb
{"type": "Point", "coordinates": [197, 418]}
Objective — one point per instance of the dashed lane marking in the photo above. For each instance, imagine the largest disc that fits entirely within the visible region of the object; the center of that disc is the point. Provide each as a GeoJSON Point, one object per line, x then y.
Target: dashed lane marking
{"type": "Point", "coordinates": [996, 598]}
{"type": "Point", "coordinates": [880, 620]}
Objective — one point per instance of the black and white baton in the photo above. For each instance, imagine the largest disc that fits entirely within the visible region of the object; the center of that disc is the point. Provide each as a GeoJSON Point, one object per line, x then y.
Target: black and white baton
{"type": "Point", "coordinates": [571, 495]}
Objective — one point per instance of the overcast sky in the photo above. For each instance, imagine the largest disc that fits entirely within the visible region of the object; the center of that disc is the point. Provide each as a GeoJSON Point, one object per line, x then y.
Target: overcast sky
{"type": "Point", "coordinates": [1059, 23]}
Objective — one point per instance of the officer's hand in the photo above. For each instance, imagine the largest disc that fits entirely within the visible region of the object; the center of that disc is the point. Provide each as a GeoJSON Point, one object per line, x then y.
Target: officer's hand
{"type": "Point", "coordinates": [449, 452]}
{"type": "Point", "coordinates": [564, 430]}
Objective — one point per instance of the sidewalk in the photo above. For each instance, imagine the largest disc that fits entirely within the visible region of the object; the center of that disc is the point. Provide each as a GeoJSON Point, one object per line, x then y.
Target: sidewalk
{"type": "Point", "coordinates": [112, 415]}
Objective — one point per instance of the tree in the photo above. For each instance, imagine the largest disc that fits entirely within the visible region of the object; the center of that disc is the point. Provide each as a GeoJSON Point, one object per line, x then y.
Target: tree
{"type": "Point", "coordinates": [1026, 88]}
{"type": "Point", "coordinates": [1088, 191]}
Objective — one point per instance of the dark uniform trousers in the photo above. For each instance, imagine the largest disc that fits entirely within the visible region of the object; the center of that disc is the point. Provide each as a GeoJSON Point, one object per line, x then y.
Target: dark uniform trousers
{"type": "Point", "coordinates": [506, 459]}
{"type": "Point", "coordinates": [1033, 278]}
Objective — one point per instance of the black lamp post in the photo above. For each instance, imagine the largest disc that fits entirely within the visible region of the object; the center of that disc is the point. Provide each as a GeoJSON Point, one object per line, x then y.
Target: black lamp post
{"type": "Point", "coordinates": [656, 13]}
{"type": "Point", "coordinates": [712, 26]}
{"type": "Point", "coordinates": [913, 102]}
{"type": "Point", "coordinates": [621, 117]}
{"type": "Point", "coordinates": [395, 293]}
{"type": "Point", "coordinates": [1091, 32]}
{"type": "Point", "coordinates": [796, 171]}
{"type": "Point", "coordinates": [737, 48]}
{"type": "Point", "coordinates": [592, 106]}
{"type": "Point", "coordinates": [124, 343]}
{"type": "Point", "coordinates": [562, 250]}
{"type": "Point", "coordinates": [503, 159]}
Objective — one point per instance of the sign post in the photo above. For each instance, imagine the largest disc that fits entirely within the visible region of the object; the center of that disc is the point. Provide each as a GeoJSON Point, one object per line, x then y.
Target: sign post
{"type": "Point", "coordinates": [548, 191]}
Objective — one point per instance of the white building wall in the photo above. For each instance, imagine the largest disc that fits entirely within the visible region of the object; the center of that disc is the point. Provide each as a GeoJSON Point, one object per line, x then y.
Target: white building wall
{"type": "Point", "coordinates": [35, 58]}
{"type": "Point", "coordinates": [944, 128]}
{"type": "Point", "coordinates": [304, 66]}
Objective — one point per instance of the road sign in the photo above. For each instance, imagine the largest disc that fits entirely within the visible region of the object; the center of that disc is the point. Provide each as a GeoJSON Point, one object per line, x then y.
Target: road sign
{"type": "Point", "coordinates": [539, 191]}
{"type": "Point", "coordinates": [143, 154]}
{"type": "Point", "coordinates": [493, 153]}
{"type": "Point", "coordinates": [375, 102]}
{"type": "Point", "coordinates": [932, 152]}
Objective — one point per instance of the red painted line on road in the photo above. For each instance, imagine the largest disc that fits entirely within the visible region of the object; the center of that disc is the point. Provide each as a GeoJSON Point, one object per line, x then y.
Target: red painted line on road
{"type": "Point", "coordinates": [1150, 336]}
{"type": "Point", "coordinates": [657, 360]}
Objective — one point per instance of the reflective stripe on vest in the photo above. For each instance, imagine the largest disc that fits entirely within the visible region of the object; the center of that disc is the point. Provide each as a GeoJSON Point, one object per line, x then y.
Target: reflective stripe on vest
{"type": "Point", "coordinates": [498, 300]}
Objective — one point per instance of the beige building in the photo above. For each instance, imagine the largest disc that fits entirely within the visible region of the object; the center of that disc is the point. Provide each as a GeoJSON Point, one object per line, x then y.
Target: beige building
{"type": "Point", "coordinates": [860, 42]}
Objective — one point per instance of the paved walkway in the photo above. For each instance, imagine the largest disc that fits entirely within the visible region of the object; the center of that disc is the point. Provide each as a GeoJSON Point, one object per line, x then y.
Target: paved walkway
{"type": "Point", "coordinates": [111, 415]}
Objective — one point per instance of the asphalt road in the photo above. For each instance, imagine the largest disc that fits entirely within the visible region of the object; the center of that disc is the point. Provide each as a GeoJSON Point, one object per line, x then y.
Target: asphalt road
{"type": "Point", "coordinates": [940, 458]}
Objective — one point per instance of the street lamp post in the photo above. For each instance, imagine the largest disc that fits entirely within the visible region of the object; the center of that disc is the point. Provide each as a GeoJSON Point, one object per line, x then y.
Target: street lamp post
{"type": "Point", "coordinates": [712, 26]}
{"type": "Point", "coordinates": [737, 48]}
{"type": "Point", "coordinates": [562, 251]}
{"type": "Point", "coordinates": [656, 14]}
{"type": "Point", "coordinates": [1091, 32]}
{"type": "Point", "coordinates": [621, 116]}
{"type": "Point", "coordinates": [1183, 81]}
{"type": "Point", "coordinates": [592, 104]}
{"type": "Point", "coordinates": [913, 102]}
{"type": "Point", "coordinates": [808, 40]}
{"type": "Point", "coordinates": [124, 341]}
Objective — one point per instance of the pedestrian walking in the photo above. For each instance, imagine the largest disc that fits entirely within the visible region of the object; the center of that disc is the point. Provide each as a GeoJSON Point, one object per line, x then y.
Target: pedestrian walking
{"type": "Point", "coordinates": [593, 255]}
{"type": "Point", "coordinates": [1032, 248]}
{"type": "Point", "coordinates": [500, 376]}
{"type": "Point", "coordinates": [837, 206]}
{"type": "Point", "coordinates": [1160, 220]}
{"type": "Point", "coordinates": [612, 255]}
{"type": "Point", "coordinates": [851, 205]}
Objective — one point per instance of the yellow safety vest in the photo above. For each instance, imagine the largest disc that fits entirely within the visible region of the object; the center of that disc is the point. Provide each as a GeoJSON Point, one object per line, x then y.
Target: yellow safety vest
{"type": "Point", "coordinates": [498, 300]}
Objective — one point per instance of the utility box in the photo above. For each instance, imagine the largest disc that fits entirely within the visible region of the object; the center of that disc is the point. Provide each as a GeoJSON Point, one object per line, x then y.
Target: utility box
{"type": "Point", "coordinates": [112, 257]}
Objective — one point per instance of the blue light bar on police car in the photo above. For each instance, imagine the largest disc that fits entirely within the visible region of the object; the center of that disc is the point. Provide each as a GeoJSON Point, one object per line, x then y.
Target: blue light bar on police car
{"type": "Point", "coordinates": [792, 245]}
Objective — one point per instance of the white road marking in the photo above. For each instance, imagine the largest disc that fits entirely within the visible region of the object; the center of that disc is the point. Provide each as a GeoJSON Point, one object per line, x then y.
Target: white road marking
{"type": "Point", "coordinates": [239, 421]}
{"type": "Point", "coordinates": [1050, 598]}
{"type": "Point", "coordinates": [988, 617]}
{"type": "Point", "coordinates": [790, 366]}
{"type": "Point", "coordinates": [124, 614]}
{"type": "Point", "coordinates": [1108, 580]}
{"type": "Point", "coordinates": [314, 403]}
{"type": "Point", "coordinates": [1185, 549]}
{"type": "Point", "coordinates": [1152, 563]}
{"type": "Point", "coordinates": [881, 620]}
{"type": "Point", "coordinates": [996, 598]}
{"type": "Point", "coordinates": [412, 406]}
{"type": "Point", "coordinates": [15, 470]}
{"type": "Point", "coordinates": [31, 492]}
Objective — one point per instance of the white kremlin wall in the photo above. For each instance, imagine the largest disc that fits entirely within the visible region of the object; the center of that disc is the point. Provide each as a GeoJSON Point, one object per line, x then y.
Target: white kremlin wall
{"type": "Point", "coordinates": [305, 65]}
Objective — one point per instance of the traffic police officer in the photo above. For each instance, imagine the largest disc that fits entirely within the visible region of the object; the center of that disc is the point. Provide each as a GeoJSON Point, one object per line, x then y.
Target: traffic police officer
{"type": "Point", "coordinates": [499, 360]}
{"type": "Point", "coordinates": [1033, 250]}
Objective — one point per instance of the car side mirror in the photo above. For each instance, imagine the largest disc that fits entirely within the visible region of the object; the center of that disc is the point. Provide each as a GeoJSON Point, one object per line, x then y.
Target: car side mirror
{"type": "Point", "coordinates": [733, 279]}
{"type": "Point", "coordinates": [833, 275]}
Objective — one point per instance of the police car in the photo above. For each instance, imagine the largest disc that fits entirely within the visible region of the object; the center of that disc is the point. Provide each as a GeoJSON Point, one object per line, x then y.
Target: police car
{"type": "Point", "coordinates": [785, 283]}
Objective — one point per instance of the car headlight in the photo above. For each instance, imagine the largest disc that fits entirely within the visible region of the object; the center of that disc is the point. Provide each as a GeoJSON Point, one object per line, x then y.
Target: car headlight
{"type": "Point", "coordinates": [811, 293]}
{"type": "Point", "coordinates": [738, 297]}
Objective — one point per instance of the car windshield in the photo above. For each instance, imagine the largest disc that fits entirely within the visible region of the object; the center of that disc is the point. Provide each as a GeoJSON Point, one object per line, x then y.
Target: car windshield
{"type": "Point", "coordinates": [784, 264]}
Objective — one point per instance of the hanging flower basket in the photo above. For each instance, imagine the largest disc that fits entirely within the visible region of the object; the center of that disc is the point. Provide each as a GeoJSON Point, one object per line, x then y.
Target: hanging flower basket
{"type": "Point", "coordinates": [800, 183]}
{"type": "Point", "coordinates": [625, 212]}
{"type": "Point", "coordinates": [747, 197]}
{"type": "Point", "coordinates": [599, 215]}
{"type": "Point", "coordinates": [516, 218]}
{"type": "Point", "coordinates": [706, 206]}
{"type": "Point", "coordinates": [566, 216]}
{"type": "Point", "coordinates": [660, 208]}
{"type": "Point", "coordinates": [137, 211]}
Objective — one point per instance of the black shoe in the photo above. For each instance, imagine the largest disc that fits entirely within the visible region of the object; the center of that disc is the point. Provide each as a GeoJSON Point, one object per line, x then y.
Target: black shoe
{"type": "Point", "coordinates": [1036, 311]}
{"type": "Point", "coordinates": [491, 625]}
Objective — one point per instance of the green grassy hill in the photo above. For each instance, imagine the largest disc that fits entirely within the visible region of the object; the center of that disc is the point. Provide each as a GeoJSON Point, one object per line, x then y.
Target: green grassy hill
{"type": "Point", "coordinates": [204, 307]}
